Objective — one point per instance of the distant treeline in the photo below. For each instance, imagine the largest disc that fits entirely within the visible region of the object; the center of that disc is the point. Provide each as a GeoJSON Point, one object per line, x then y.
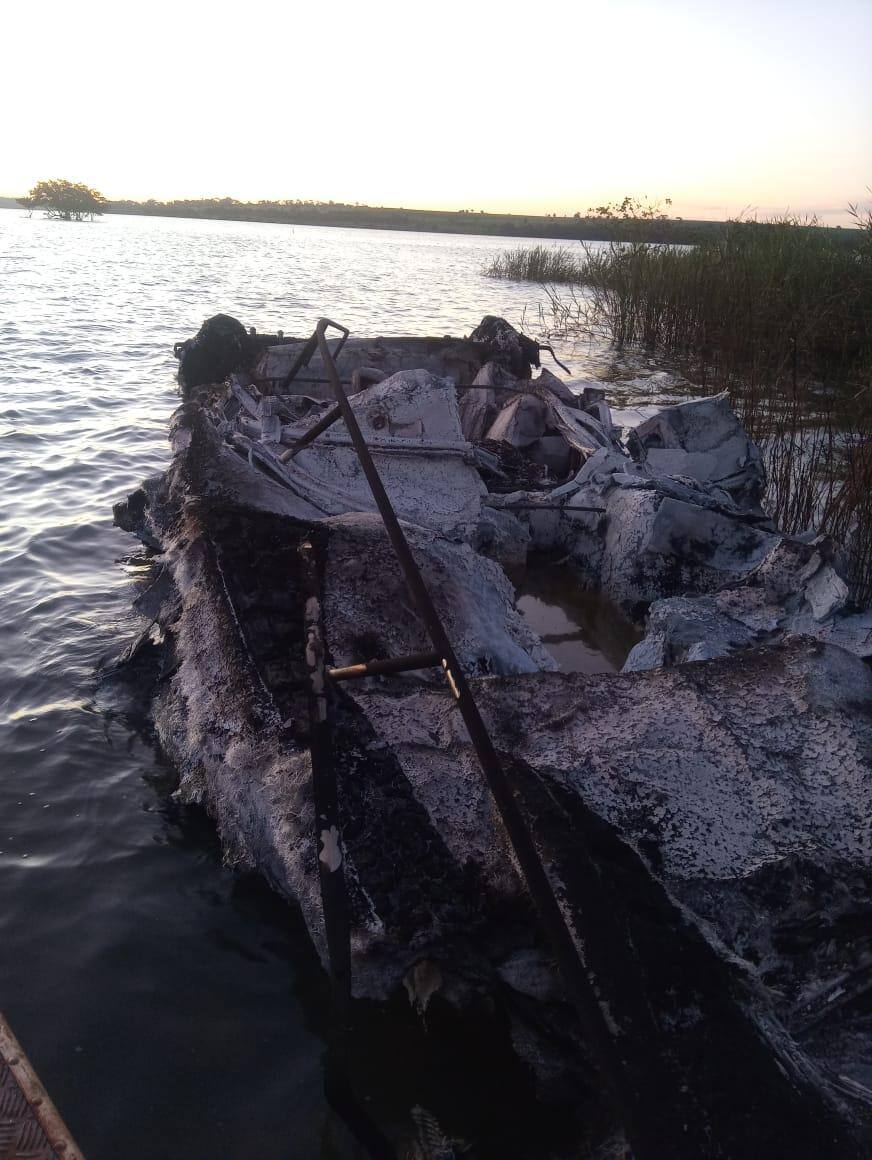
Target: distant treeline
{"type": "Point", "coordinates": [308, 213]}
{"type": "Point", "coordinates": [577, 227]}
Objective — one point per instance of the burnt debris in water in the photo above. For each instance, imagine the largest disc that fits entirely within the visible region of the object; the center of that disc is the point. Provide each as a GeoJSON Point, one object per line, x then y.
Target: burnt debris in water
{"type": "Point", "coordinates": [701, 828]}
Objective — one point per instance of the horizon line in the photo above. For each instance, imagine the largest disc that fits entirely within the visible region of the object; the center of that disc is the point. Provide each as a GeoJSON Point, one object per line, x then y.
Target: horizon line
{"type": "Point", "coordinates": [748, 213]}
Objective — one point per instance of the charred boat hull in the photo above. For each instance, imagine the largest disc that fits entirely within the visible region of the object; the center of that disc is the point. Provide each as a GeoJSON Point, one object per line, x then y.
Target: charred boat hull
{"type": "Point", "coordinates": [666, 805]}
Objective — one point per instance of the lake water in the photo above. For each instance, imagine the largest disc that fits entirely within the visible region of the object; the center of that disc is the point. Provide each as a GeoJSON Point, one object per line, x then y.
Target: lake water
{"type": "Point", "coordinates": [172, 1007]}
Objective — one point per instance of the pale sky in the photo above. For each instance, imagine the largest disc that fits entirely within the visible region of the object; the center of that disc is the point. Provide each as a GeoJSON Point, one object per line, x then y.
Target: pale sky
{"type": "Point", "coordinates": [539, 108]}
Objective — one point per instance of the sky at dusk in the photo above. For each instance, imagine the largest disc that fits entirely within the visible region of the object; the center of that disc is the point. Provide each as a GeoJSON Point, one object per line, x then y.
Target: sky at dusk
{"type": "Point", "coordinates": [540, 108]}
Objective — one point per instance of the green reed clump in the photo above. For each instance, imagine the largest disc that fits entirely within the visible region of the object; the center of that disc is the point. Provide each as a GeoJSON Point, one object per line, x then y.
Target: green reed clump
{"type": "Point", "coordinates": [779, 298]}
{"type": "Point", "coordinates": [537, 264]}
{"type": "Point", "coordinates": [780, 314]}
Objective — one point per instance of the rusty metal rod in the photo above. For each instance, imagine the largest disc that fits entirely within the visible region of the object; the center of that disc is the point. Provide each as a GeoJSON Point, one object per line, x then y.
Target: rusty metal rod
{"type": "Point", "coordinates": [567, 953]}
{"type": "Point", "coordinates": [383, 668]}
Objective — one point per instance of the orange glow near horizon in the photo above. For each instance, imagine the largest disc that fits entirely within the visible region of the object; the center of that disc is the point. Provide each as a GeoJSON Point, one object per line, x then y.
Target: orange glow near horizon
{"type": "Point", "coordinates": [762, 107]}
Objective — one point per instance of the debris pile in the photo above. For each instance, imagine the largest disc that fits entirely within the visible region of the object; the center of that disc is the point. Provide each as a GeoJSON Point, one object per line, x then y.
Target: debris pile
{"type": "Point", "coordinates": [705, 826]}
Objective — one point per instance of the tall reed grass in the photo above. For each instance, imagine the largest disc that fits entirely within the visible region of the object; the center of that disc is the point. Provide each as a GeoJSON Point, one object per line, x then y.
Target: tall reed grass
{"type": "Point", "coordinates": [778, 298]}
{"type": "Point", "coordinates": [779, 314]}
{"type": "Point", "coordinates": [547, 264]}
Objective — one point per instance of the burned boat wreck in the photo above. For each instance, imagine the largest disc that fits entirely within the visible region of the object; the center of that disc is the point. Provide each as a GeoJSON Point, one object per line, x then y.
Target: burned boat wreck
{"type": "Point", "coordinates": [658, 892]}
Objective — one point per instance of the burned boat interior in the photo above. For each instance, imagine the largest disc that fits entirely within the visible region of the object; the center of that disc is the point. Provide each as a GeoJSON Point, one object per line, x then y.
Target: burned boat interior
{"type": "Point", "coordinates": [634, 884]}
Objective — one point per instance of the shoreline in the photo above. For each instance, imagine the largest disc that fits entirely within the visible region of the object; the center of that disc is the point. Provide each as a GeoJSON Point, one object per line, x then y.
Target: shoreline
{"type": "Point", "coordinates": [521, 227]}
{"type": "Point", "coordinates": [518, 226]}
